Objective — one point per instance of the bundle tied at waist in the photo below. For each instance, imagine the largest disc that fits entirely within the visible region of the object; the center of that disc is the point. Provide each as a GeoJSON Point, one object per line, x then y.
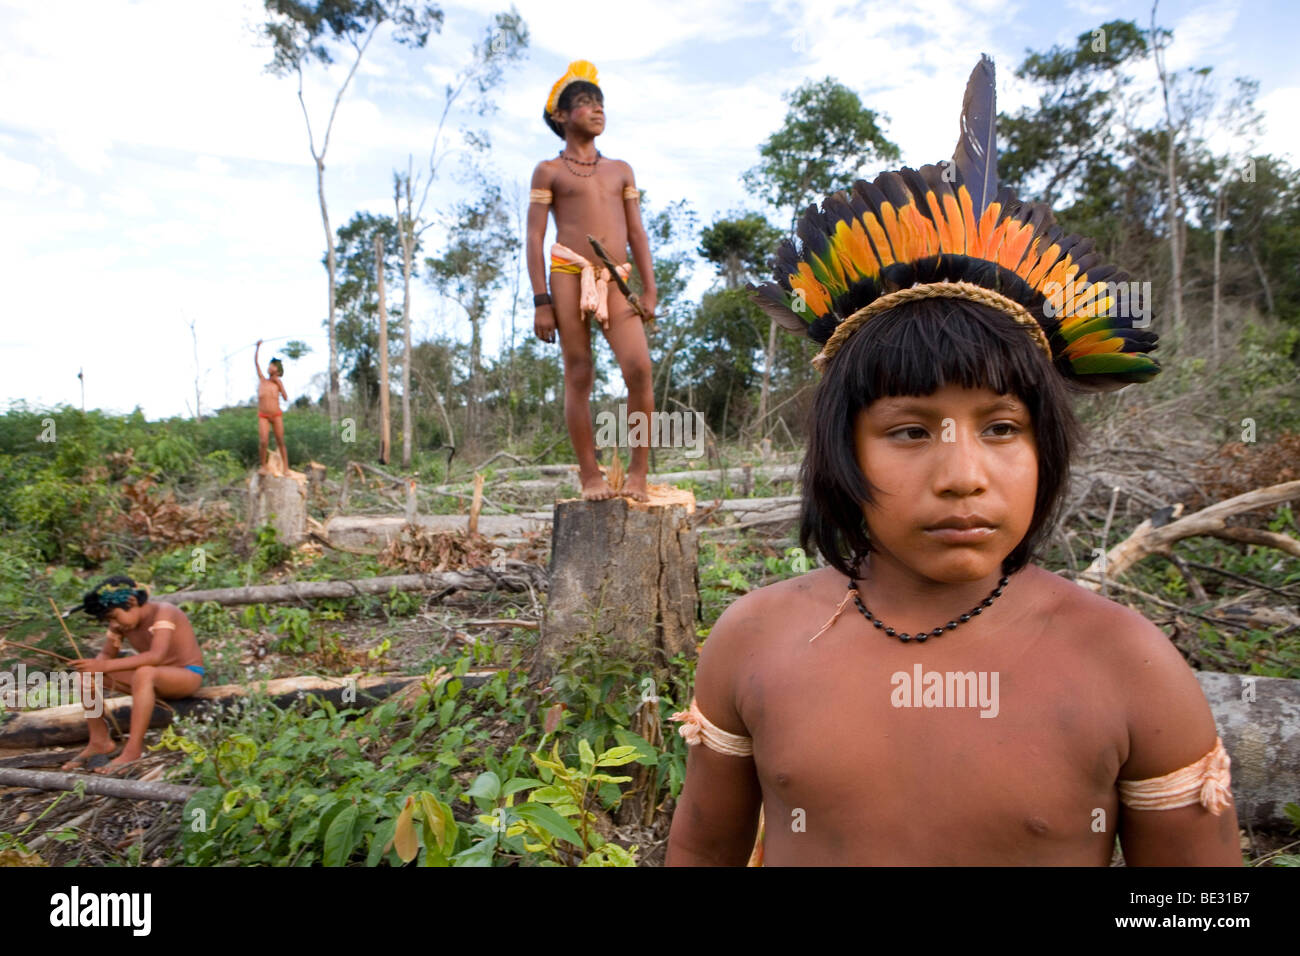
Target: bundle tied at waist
{"type": "Point", "coordinates": [697, 729]}
{"type": "Point", "coordinates": [1207, 782]}
{"type": "Point", "coordinates": [594, 299]}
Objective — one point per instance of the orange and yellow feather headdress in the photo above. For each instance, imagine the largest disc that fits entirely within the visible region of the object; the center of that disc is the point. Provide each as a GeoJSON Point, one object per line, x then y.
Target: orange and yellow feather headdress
{"type": "Point", "coordinates": [950, 231]}
{"type": "Point", "coordinates": [578, 70]}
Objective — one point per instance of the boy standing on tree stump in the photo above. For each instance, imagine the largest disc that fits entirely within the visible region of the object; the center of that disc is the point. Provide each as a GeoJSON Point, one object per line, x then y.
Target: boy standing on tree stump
{"type": "Point", "coordinates": [590, 195]}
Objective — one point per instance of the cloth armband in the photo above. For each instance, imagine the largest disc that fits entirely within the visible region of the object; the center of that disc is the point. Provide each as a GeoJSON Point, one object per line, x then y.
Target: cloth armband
{"type": "Point", "coordinates": [162, 626]}
{"type": "Point", "coordinates": [1207, 782]}
{"type": "Point", "coordinates": [696, 729]}
{"type": "Point", "coordinates": [543, 196]}
{"type": "Point", "coordinates": [632, 193]}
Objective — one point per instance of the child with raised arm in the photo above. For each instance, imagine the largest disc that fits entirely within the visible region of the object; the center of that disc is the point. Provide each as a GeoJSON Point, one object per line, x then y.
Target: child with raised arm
{"type": "Point", "coordinates": [270, 389]}
{"type": "Point", "coordinates": [590, 195]}
{"type": "Point", "coordinates": [932, 697]}
{"type": "Point", "coordinates": [167, 663]}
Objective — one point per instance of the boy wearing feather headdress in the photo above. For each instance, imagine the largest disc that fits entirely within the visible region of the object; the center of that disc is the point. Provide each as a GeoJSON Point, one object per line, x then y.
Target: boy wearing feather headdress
{"type": "Point", "coordinates": [931, 696]}
{"type": "Point", "coordinates": [590, 195]}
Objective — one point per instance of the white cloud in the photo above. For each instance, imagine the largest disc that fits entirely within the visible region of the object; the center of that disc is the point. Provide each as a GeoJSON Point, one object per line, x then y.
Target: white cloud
{"type": "Point", "coordinates": [17, 176]}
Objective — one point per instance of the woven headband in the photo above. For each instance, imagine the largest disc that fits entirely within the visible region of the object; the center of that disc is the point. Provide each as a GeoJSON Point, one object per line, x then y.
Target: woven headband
{"type": "Point", "coordinates": [933, 290]}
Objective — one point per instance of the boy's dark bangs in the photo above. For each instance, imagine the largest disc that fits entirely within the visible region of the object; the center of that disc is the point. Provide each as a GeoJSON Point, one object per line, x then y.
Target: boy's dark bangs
{"type": "Point", "coordinates": [917, 349]}
{"type": "Point", "coordinates": [576, 89]}
{"type": "Point", "coordinates": [945, 344]}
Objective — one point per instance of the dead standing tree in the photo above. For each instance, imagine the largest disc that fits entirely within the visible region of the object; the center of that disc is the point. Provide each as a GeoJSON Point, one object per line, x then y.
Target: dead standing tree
{"type": "Point", "coordinates": [470, 272]}
{"type": "Point", "coordinates": [299, 32]}
{"type": "Point", "coordinates": [505, 41]}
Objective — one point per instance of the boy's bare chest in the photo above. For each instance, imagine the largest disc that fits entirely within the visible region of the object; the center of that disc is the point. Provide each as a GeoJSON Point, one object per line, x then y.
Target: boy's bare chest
{"type": "Point", "coordinates": [926, 750]}
{"type": "Point", "coordinates": [603, 188]}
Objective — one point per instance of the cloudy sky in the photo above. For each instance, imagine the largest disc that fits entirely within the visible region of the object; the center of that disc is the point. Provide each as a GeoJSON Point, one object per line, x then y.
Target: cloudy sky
{"type": "Point", "coordinates": [153, 175]}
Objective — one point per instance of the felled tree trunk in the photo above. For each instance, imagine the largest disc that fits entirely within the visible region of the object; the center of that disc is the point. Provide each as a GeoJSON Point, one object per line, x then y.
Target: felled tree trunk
{"type": "Point", "coordinates": [623, 576]}
{"type": "Point", "coordinates": [1259, 721]}
{"type": "Point", "coordinates": [280, 501]}
{"type": "Point", "coordinates": [66, 724]}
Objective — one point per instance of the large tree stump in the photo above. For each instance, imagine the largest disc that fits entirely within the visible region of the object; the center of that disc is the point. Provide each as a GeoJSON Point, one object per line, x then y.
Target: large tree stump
{"type": "Point", "coordinates": [623, 575]}
{"type": "Point", "coordinates": [279, 500]}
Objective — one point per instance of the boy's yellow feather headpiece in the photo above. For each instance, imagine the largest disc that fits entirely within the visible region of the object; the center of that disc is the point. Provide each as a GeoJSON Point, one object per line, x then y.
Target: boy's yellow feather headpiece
{"type": "Point", "coordinates": [578, 70]}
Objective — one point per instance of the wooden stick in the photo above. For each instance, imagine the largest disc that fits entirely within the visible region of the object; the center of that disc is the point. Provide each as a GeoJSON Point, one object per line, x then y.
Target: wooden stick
{"type": "Point", "coordinates": [517, 577]}
{"type": "Point", "coordinates": [111, 716]}
{"type": "Point", "coordinates": [1146, 539]}
{"type": "Point", "coordinates": [1268, 539]}
{"type": "Point", "coordinates": [477, 504]}
{"type": "Point", "coordinates": [59, 617]}
{"type": "Point", "coordinates": [99, 784]}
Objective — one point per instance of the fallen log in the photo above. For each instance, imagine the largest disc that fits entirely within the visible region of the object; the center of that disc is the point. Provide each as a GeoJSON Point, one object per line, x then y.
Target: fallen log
{"type": "Point", "coordinates": [737, 475]}
{"type": "Point", "coordinates": [1148, 538]}
{"type": "Point", "coordinates": [66, 724]}
{"type": "Point", "coordinates": [1259, 721]}
{"type": "Point", "coordinates": [97, 784]}
{"type": "Point", "coordinates": [517, 576]}
{"type": "Point", "coordinates": [370, 531]}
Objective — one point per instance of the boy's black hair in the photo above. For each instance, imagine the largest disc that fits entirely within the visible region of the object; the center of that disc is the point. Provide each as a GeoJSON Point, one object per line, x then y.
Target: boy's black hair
{"type": "Point", "coordinates": [110, 593]}
{"type": "Point", "coordinates": [916, 349]}
{"type": "Point", "coordinates": [566, 101]}
{"type": "Point", "coordinates": [278, 365]}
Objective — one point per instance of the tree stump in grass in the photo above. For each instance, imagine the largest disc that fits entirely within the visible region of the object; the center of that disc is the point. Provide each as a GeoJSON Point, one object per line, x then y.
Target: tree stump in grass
{"type": "Point", "coordinates": [624, 577]}
{"type": "Point", "coordinates": [279, 500]}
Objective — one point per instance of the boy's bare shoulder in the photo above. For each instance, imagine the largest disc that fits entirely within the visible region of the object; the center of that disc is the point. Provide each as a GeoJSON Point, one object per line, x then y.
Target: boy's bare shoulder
{"type": "Point", "coordinates": [544, 173]}
{"type": "Point", "coordinates": [1169, 720]}
{"type": "Point", "coordinates": [764, 613]}
{"type": "Point", "coordinates": [1114, 633]}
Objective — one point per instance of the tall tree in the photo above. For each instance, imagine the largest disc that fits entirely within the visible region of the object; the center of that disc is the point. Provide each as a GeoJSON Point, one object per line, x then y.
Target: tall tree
{"type": "Point", "coordinates": [473, 267]}
{"type": "Point", "coordinates": [302, 32]}
{"type": "Point", "coordinates": [1052, 147]}
{"type": "Point", "coordinates": [741, 248]}
{"type": "Point", "coordinates": [357, 325]}
{"type": "Point", "coordinates": [826, 139]}
{"type": "Point", "coordinates": [506, 41]}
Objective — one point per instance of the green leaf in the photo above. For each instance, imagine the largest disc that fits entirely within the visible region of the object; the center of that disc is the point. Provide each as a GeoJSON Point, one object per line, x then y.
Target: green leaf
{"type": "Point", "coordinates": [486, 785]}
{"type": "Point", "coordinates": [648, 756]}
{"type": "Point", "coordinates": [587, 755]}
{"type": "Point", "coordinates": [515, 784]}
{"type": "Point", "coordinates": [617, 756]}
{"type": "Point", "coordinates": [339, 839]}
{"type": "Point", "coordinates": [435, 825]}
{"type": "Point", "coordinates": [550, 794]}
{"type": "Point", "coordinates": [480, 854]}
{"type": "Point", "coordinates": [550, 821]}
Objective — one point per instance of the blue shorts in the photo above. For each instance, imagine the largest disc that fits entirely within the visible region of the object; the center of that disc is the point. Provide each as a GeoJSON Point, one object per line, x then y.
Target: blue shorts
{"type": "Point", "coordinates": [196, 668]}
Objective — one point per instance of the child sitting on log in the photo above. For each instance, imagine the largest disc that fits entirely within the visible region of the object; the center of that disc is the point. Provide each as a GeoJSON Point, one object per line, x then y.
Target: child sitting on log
{"type": "Point", "coordinates": [270, 388]}
{"type": "Point", "coordinates": [167, 663]}
{"type": "Point", "coordinates": [932, 697]}
{"type": "Point", "coordinates": [590, 195]}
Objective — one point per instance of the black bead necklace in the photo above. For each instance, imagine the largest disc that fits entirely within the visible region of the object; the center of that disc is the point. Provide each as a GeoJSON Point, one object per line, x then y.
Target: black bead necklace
{"type": "Point", "coordinates": [570, 163]}
{"type": "Point", "coordinates": [922, 636]}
